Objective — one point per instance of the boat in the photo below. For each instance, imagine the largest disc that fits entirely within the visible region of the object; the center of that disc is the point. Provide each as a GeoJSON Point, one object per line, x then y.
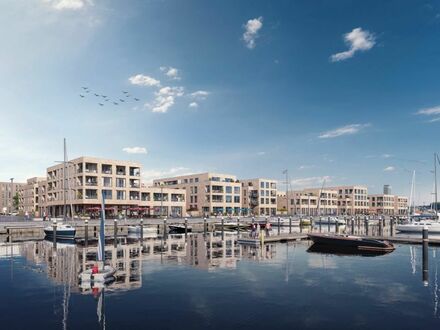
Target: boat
{"type": "Point", "coordinates": [64, 230]}
{"type": "Point", "coordinates": [179, 228]}
{"type": "Point", "coordinates": [228, 225]}
{"type": "Point", "coordinates": [360, 243]}
{"type": "Point", "coordinates": [306, 222]}
{"type": "Point", "coordinates": [99, 272]}
{"type": "Point", "coordinates": [285, 222]}
{"type": "Point", "coordinates": [329, 220]}
{"type": "Point", "coordinates": [345, 251]}
{"type": "Point", "coordinates": [417, 227]}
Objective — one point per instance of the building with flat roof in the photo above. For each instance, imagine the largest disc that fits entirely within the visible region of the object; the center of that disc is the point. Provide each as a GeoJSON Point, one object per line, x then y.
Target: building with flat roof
{"type": "Point", "coordinates": [29, 198]}
{"type": "Point", "coordinates": [310, 202]}
{"type": "Point", "coordinates": [352, 200]}
{"type": "Point", "coordinates": [259, 196]}
{"type": "Point", "coordinates": [207, 193]}
{"type": "Point", "coordinates": [7, 192]}
{"type": "Point", "coordinates": [386, 204]}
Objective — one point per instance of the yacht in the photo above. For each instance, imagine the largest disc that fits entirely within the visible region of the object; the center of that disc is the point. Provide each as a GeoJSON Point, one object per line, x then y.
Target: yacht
{"type": "Point", "coordinates": [64, 231]}
{"type": "Point", "coordinates": [417, 227]}
{"type": "Point", "coordinates": [330, 220]}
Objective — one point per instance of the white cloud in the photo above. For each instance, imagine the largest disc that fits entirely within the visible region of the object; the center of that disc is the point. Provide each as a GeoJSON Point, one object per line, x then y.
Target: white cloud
{"type": "Point", "coordinates": [165, 98]}
{"type": "Point", "coordinates": [171, 72]}
{"type": "Point", "coordinates": [135, 150]}
{"type": "Point", "coordinates": [68, 4]}
{"type": "Point", "coordinates": [143, 80]}
{"type": "Point", "coordinates": [356, 40]}
{"type": "Point", "coordinates": [389, 169]}
{"type": "Point", "coordinates": [199, 95]}
{"type": "Point", "coordinates": [251, 31]}
{"type": "Point", "coordinates": [430, 112]}
{"type": "Point", "coordinates": [386, 156]}
{"type": "Point", "coordinates": [261, 153]}
{"type": "Point", "coordinates": [311, 181]}
{"type": "Point", "coordinates": [150, 175]}
{"type": "Point", "coordinates": [306, 167]}
{"type": "Point", "coordinates": [344, 130]}
{"type": "Point", "coordinates": [193, 105]}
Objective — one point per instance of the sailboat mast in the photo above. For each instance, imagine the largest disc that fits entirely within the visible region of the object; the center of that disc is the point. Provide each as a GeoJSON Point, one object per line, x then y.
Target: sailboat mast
{"type": "Point", "coordinates": [287, 191]}
{"type": "Point", "coordinates": [435, 182]}
{"type": "Point", "coordinates": [64, 180]}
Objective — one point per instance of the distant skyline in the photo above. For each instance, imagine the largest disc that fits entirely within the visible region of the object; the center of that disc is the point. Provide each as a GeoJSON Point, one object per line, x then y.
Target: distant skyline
{"type": "Point", "coordinates": [345, 92]}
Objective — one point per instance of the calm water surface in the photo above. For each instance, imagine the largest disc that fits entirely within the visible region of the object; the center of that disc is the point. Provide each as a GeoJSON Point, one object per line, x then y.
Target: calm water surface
{"type": "Point", "coordinates": [210, 284]}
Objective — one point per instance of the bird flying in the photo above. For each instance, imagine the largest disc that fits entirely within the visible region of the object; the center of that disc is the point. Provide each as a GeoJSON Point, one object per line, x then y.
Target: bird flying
{"type": "Point", "coordinates": [101, 104]}
{"type": "Point", "coordinates": [81, 95]}
{"type": "Point", "coordinates": [136, 99]}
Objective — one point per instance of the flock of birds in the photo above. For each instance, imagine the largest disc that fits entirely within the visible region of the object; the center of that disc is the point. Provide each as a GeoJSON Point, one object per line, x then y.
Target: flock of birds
{"type": "Point", "coordinates": [104, 98]}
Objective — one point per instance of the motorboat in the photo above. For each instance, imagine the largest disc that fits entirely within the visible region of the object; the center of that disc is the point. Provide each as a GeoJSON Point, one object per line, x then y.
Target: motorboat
{"type": "Point", "coordinates": [146, 230]}
{"type": "Point", "coordinates": [179, 228]}
{"type": "Point", "coordinates": [345, 251]}
{"type": "Point", "coordinates": [284, 222]}
{"type": "Point", "coordinates": [360, 243]}
{"type": "Point", "coordinates": [228, 225]}
{"type": "Point", "coordinates": [330, 220]}
{"type": "Point", "coordinates": [64, 231]}
{"type": "Point", "coordinates": [417, 227]}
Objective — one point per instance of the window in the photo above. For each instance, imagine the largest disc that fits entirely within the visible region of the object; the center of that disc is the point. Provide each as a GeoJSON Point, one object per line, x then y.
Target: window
{"type": "Point", "coordinates": [106, 182]}
{"type": "Point", "coordinates": [107, 193]}
{"type": "Point", "coordinates": [262, 184]}
{"type": "Point", "coordinates": [236, 199]}
{"type": "Point", "coordinates": [228, 199]}
{"type": "Point", "coordinates": [120, 194]}
{"type": "Point", "coordinates": [261, 200]}
{"type": "Point", "coordinates": [196, 180]}
{"type": "Point", "coordinates": [120, 183]}
{"type": "Point", "coordinates": [191, 180]}
{"type": "Point", "coordinates": [195, 190]}
{"type": "Point", "coordinates": [267, 185]}
{"type": "Point", "coordinates": [228, 189]}
{"type": "Point", "coordinates": [236, 190]}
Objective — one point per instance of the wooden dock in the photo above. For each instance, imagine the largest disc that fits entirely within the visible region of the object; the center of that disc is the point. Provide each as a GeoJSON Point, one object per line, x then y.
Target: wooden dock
{"type": "Point", "coordinates": [273, 239]}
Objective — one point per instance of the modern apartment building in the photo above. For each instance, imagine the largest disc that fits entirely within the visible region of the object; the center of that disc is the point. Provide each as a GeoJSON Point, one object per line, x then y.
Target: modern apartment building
{"type": "Point", "coordinates": [387, 204]}
{"type": "Point", "coordinates": [87, 178]}
{"type": "Point", "coordinates": [30, 197]}
{"type": "Point", "coordinates": [310, 202]}
{"type": "Point", "coordinates": [259, 196]}
{"type": "Point", "coordinates": [7, 192]}
{"type": "Point", "coordinates": [352, 200]}
{"type": "Point", "coordinates": [207, 193]}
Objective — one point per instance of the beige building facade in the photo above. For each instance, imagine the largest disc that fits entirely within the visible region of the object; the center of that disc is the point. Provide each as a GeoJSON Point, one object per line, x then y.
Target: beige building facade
{"type": "Point", "coordinates": [30, 196]}
{"type": "Point", "coordinates": [7, 192]}
{"type": "Point", "coordinates": [352, 200]}
{"type": "Point", "coordinates": [310, 202]}
{"type": "Point", "coordinates": [384, 204]}
{"type": "Point", "coordinates": [259, 196]}
{"type": "Point", "coordinates": [207, 193]}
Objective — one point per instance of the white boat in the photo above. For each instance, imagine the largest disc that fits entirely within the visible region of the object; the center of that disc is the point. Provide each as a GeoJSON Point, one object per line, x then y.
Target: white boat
{"type": "Point", "coordinates": [417, 227]}
{"type": "Point", "coordinates": [330, 220]}
{"type": "Point", "coordinates": [64, 231]}
{"type": "Point", "coordinates": [284, 222]}
{"type": "Point", "coordinates": [135, 232]}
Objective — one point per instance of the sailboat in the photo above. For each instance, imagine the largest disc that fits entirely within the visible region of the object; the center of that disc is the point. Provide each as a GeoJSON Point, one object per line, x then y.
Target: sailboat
{"type": "Point", "coordinates": [64, 230]}
{"type": "Point", "coordinates": [100, 273]}
{"type": "Point", "coordinates": [417, 226]}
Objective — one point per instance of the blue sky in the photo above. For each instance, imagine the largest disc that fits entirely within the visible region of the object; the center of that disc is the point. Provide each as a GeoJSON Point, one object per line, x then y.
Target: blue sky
{"type": "Point", "coordinates": [346, 90]}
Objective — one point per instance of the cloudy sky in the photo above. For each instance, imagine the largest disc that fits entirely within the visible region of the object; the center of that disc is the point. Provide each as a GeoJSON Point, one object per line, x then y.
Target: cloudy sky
{"type": "Point", "coordinates": [346, 91]}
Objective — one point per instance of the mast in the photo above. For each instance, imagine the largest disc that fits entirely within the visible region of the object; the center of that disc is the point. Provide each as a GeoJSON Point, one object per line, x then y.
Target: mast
{"type": "Point", "coordinates": [286, 172]}
{"type": "Point", "coordinates": [435, 182]}
{"type": "Point", "coordinates": [319, 199]}
{"type": "Point", "coordinates": [101, 239]}
{"type": "Point", "coordinates": [64, 181]}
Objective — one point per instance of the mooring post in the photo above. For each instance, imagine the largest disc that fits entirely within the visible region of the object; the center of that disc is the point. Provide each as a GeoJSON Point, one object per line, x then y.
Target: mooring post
{"type": "Point", "coordinates": [392, 226]}
{"type": "Point", "coordinates": [186, 227]}
{"type": "Point", "coordinates": [223, 228]}
{"type": "Point", "coordinates": [328, 225]}
{"type": "Point", "coordinates": [115, 233]}
{"type": "Point", "coordinates": [366, 226]}
{"type": "Point", "coordinates": [352, 226]}
{"type": "Point", "coordinates": [380, 227]}
{"type": "Point", "coordinates": [320, 223]}
{"type": "Point", "coordinates": [165, 228]}
{"type": "Point", "coordinates": [253, 220]}
{"type": "Point", "coordinates": [425, 255]}
{"type": "Point", "coordinates": [238, 226]}
{"type": "Point", "coordinates": [204, 226]}
{"type": "Point", "coordinates": [86, 233]}
{"type": "Point", "coordinates": [142, 230]}
{"type": "Point", "coordinates": [54, 228]}
{"type": "Point", "coordinates": [336, 225]}
{"type": "Point", "coordinates": [279, 223]}
{"type": "Point", "coordinates": [290, 225]}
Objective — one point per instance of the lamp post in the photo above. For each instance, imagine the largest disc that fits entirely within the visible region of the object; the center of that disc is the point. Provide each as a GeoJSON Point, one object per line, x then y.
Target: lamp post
{"type": "Point", "coordinates": [12, 195]}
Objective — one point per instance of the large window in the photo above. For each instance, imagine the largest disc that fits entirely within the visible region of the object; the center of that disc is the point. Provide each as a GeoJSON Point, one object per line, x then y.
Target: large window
{"type": "Point", "coordinates": [120, 194]}
{"type": "Point", "coordinates": [228, 199]}
{"type": "Point", "coordinates": [236, 190]}
{"type": "Point", "coordinates": [228, 189]}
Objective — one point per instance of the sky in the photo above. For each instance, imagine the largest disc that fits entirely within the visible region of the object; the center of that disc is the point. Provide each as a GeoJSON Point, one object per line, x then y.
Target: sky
{"type": "Point", "coordinates": [345, 92]}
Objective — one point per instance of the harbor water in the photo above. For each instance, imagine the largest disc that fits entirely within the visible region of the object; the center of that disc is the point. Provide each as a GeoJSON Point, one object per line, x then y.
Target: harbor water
{"type": "Point", "coordinates": [210, 282]}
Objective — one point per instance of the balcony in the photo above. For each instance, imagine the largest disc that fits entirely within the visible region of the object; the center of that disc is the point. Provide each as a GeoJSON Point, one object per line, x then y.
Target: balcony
{"type": "Point", "coordinates": [91, 168]}
{"type": "Point", "coordinates": [106, 169]}
{"type": "Point", "coordinates": [135, 171]}
{"type": "Point", "coordinates": [120, 170]}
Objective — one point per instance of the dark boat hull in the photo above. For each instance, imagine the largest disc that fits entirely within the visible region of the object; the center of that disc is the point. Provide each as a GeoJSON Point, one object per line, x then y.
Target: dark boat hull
{"type": "Point", "coordinates": [354, 242]}
{"type": "Point", "coordinates": [61, 234]}
{"type": "Point", "coordinates": [345, 251]}
{"type": "Point", "coordinates": [179, 229]}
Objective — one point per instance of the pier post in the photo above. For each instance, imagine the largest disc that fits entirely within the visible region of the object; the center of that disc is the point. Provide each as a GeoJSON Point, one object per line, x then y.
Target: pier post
{"type": "Point", "coordinates": [279, 223]}
{"type": "Point", "coordinates": [253, 220]}
{"type": "Point", "coordinates": [366, 226]}
{"type": "Point", "coordinates": [337, 226]}
{"type": "Point", "coordinates": [320, 223]}
{"type": "Point", "coordinates": [115, 233]}
{"type": "Point", "coordinates": [380, 227]}
{"type": "Point", "coordinates": [290, 225]}
{"type": "Point", "coordinates": [223, 228]}
{"type": "Point", "coordinates": [86, 233]}
{"type": "Point", "coordinates": [204, 226]}
{"type": "Point", "coordinates": [165, 228]}
{"type": "Point", "coordinates": [54, 228]}
{"type": "Point", "coordinates": [238, 226]}
{"type": "Point", "coordinates": [186, 227]}
{"type": "Point", "coordinates": [425, 255]}
{"type": "Point", "coordinates": [392, 226]}
{"type": "Point", "coordinates": [142, 230]}
{"type": "Point", "coordinates": [328, 225]}
{"type": "Point", "coordinates": [352, 226]}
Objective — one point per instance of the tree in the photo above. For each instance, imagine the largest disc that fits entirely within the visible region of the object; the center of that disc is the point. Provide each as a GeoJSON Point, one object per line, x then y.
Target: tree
{"type": "Point", "coordinates": [15, 201]}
